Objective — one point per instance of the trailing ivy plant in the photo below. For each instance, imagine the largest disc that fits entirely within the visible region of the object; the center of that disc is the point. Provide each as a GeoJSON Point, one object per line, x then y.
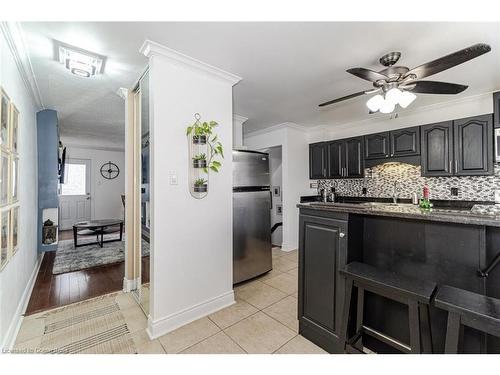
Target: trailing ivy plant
{"type": "Point", "coordinates": [215, 149]}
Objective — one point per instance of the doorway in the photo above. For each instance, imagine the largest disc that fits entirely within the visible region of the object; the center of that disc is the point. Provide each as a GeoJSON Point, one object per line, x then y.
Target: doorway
{"type": "Point", "coordinates": [275, 172]}
{"type": "Point", "coordinates": [75, 197]}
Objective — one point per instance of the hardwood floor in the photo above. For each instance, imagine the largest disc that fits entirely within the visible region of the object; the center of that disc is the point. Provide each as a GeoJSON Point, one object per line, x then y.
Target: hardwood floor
{"type": "Point", "coordinates": [58, 290]}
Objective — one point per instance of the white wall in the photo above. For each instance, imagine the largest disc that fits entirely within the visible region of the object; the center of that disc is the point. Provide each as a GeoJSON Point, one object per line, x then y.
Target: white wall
{"type": "Point", "coordinates": [295, 173]}
{"type": "Point", "coordinates": [106, 194]}
{"type": "Point", "coordinates": [16, 276]}
{"type": "Point", "coordinates": [191, 239]}
{"type": "Point", "coordinates": [275, 172]}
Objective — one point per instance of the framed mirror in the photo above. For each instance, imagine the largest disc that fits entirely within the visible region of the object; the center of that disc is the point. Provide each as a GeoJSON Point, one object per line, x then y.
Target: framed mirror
{"type": "Point", "coordinates": [14, 125]}
{"type": "Point", "coordinates": [14, 227]}
{"type": "Point", "coordinates": [4, 178]}
{"type": "Point", "coordinates": [4, 238]}
{"type": "Point", "coordinates": [14, 179]}
{"type": "Point", "coordinates": [4, 120]}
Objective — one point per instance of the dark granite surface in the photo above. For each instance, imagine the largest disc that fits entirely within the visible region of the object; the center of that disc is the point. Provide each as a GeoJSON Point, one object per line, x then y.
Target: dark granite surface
{"type": "Point", "coordinates": [488, 215]}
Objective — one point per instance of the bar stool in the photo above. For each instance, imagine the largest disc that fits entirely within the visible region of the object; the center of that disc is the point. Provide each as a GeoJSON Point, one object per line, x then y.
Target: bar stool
{"type": "Point", "coordinates": [414, 293]}
{"type": "Point", "coordinates": [467, 309]}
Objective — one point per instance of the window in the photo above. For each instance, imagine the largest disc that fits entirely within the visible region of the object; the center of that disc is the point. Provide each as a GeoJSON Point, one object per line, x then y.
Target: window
{"type": "Point", "coordinates": [76, 179]}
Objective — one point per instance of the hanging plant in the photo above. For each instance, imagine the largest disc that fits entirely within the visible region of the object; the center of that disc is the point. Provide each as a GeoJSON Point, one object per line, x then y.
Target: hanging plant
{"type": "Point", "coordinates": [203, 133]}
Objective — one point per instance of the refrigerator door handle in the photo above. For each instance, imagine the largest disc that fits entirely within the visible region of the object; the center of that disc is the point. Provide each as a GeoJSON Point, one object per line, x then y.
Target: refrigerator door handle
{"type": "Point", "coordinates": [271, 193]}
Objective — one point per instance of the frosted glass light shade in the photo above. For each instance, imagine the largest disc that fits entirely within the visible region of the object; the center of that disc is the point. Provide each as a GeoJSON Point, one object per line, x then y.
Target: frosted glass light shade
{"type": "Point", "coordinates": [387, 107]}
{"type": "Point", "coordinates": [406, 99]}
{"type": "Point", "coordinates": [393, 95]}
{"type": "Point", "coordinates": [375, 102]}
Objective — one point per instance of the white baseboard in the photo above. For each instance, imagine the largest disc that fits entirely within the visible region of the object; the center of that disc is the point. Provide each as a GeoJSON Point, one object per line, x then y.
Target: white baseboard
{"type": "Point", "coordinates": [162, 326]}
{"type": "Point", "coordinates": [17, 319]}
{"type": "Point", "coordinates": [129, 285]}
{"type": "Point", "coordinates": [288, 247]}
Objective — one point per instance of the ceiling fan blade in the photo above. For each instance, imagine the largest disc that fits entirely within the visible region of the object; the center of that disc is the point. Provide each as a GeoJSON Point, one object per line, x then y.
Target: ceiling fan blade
{"type": "Point", "coordinates": [449, 61]}
{"type": "Point", "coordinates": [434, 87]}
{"type": "Point", "coordinates": [341, 99]}
{"type": "Point", "coordinates": [369, 75]}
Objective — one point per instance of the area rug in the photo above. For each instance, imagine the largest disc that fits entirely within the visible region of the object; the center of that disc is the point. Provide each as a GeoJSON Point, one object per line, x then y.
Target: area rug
{"type": "Point", "coordinates": [94, 326]}
{"type": "Point", "coordinates": [70, 259]}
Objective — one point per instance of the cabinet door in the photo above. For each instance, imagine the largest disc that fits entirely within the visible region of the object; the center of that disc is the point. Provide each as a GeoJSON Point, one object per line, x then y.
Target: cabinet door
{"type": "Point", "coordinates": [473, 146]}
{"type": "Point", "coordinates": [437, 149]}
{"type": "Point", "coordinates": [354, 162]}
{"type": "Point", "coordinates": [317, 157]}
{"type": "Point", "coordinates": [377, 146]}
{"type": "Point", "coordinates": [496, 109]}
{"type": "Point", "coordinates": [322, 251]}
{"type": "Point", "coordinates": [335, 159]}
{"type": "Point", "coordinates": [405, 142]}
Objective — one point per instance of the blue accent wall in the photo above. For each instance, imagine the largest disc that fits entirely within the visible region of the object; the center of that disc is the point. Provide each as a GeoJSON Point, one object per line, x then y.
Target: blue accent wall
{"type": "Point", "coordinates": [48, 143]}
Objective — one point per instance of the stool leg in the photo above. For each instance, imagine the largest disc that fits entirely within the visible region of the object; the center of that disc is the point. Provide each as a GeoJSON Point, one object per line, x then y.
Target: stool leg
{"type": "Point", "coordinates": [414, 319]}
{"type": "Point", "coordinates": [359, 315]}
{"type": "Point", "coordinates": [425, 329]}
{"type": "Point", "coordinates": [345, 314]}
{"type": "Point", "coordinates": [452, 333]}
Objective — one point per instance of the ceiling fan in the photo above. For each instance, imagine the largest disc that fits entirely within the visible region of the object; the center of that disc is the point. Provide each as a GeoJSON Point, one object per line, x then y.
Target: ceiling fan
{"type": "Point", "coordinates": [397, 85]}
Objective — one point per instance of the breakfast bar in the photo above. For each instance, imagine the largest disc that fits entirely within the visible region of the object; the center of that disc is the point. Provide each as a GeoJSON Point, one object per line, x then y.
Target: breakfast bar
{"type": "Point", "coordinates": [449, 247]}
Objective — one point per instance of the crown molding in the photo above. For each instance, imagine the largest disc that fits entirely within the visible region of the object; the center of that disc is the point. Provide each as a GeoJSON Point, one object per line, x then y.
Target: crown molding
{"type": "Point", "coordinates": [150, 49]}
{"type": "Point", "coordinates": [14, 37]}
{"type": "Point", "coordinates": [239, 119]}
{"type": "Point", "coordinates": [284, 125]}
{"type": "Point", "coordinates": [94, 147]}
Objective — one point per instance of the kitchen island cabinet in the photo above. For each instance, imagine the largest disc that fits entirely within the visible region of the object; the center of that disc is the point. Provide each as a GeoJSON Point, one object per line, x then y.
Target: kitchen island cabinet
{"type": "Point", "coordinates": [443, 246]}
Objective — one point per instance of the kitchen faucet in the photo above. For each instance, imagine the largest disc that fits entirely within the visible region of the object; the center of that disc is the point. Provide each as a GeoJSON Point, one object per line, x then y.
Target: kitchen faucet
{"type": "Point", "coordinates": [395, 193]}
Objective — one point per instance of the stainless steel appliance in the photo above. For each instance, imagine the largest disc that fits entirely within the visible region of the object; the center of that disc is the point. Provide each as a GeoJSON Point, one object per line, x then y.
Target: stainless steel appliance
{"type": "Point", "coordinates": [251, 215]}
{"type": "Point", "coordinates": [497, 145]}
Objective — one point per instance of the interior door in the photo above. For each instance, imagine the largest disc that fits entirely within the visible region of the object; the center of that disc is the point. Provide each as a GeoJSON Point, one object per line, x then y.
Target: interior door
{"type": "Point", "coordinates": [75, 195]}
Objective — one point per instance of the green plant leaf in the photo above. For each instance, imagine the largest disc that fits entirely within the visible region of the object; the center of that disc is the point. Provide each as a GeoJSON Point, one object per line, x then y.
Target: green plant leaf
{"type": "Point", "coordinates": [189, 130]}
{"type": "Point", "coordinates": [216, 163]}
{"type": "Point", "coordinates": [213, 123]}
{"type": "Point", "coordinates": [205, 170]}
{"type": "Point", "coordinates": [213, 168]}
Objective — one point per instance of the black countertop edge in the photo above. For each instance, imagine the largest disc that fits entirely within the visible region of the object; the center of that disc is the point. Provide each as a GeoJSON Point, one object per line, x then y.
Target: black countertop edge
{"type": "Point", "coordinates": [412, 213]}
{"type": "Point", "coordinates": [438, 203]}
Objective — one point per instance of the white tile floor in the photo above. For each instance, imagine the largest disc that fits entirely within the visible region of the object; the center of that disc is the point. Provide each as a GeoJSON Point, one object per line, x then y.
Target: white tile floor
{"type": "Point", "coordinates": [263, 320]}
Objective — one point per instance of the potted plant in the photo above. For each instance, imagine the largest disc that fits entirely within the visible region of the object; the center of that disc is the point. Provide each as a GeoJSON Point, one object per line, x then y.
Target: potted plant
{"type": "Point", "coordinates": [200, 185]}
{"type": "Point", "coordinates": [200, 161]}
{"type": "Point", "coordinates": [200, 131]}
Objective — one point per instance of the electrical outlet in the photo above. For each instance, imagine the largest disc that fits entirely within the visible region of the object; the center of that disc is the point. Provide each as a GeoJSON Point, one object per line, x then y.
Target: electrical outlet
{"type": "Point", "coordinates": [364, 191]}
{"type": "Point", "coordinates": [454, 191]}
{"type": "Point", "coordinates": [313, 185]}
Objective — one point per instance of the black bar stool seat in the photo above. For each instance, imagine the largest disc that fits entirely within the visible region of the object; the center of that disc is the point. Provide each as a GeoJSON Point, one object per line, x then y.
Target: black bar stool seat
{"type": "Point", "coordinates": [414, 293]}
{"type": "Point", "coordinates": [467, 309]}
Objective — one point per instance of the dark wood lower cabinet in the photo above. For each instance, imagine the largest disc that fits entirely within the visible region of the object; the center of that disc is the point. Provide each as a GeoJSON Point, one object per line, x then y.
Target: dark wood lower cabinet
{"type": "Point", "coordinates": [322, 251]}
{"type": "Point", "coordinates": [445, 253]}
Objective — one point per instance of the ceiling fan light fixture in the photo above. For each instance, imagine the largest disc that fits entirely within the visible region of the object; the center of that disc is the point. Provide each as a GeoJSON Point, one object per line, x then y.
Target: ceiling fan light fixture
{"type": "Point", "coordinates": [406, 99]}
{"type": "Point", "coordinates": [387, 106]}
{"type": "Point", "coordinates": [375, 102]}
{"type": "Point", "coordinates": [393, 95]}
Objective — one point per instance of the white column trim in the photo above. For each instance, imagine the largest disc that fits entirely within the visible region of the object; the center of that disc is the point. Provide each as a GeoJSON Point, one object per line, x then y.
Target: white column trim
{"type": "Point", "coordinates": [150, 49]}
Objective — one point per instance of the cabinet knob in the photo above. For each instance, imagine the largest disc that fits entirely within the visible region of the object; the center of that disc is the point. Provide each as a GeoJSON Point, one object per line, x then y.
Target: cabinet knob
{"type": "Point", "coordinates": [341, 234]}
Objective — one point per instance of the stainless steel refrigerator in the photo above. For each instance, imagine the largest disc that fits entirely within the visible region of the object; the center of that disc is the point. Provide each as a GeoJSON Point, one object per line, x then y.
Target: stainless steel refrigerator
{"type": "Point", "coordinates": [251, 215]}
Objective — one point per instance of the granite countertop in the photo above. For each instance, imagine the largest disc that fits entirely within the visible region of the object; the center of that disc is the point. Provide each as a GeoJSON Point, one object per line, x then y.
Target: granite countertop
{"type": "Point", "coordinates": [488, 215]}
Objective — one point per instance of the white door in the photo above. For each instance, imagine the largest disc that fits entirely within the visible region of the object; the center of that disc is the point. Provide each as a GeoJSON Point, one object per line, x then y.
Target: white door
{"type": "Point", "coordinates": [75, 198]}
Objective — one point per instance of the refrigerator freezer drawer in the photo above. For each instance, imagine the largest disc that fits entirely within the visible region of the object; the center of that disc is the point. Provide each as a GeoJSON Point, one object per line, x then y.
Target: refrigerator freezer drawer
{"type": "Point", "coordinates": [252, 254]}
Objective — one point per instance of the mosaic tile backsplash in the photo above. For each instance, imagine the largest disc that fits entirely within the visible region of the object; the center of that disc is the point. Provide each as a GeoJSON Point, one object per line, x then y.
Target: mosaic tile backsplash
{"type": "Point", "coordinates": [409, 180]}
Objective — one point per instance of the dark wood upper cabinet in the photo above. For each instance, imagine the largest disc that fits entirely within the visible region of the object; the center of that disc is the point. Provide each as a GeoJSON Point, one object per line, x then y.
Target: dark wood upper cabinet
{"type": "Point", "coordinates": [317, 160]}
{"type": "Point", "coordinates": [377, 146]}
{"type": "Point", "coordinates": [405, 142]}
{"type": "Point", "coordinates": [473, 142]}
{"type": "Point", "coordinates": [336, 159]}
{"type": "Point", "coordinates": [437, 149]}
{"type": "Point", "coordinates": [496, 109]}
{"type": "Point", "coordinates": [354, 162]}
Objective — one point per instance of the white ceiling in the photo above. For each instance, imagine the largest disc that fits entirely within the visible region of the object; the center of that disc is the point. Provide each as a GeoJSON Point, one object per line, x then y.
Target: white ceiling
{"type": "Point", "coordinates": [287, 68]}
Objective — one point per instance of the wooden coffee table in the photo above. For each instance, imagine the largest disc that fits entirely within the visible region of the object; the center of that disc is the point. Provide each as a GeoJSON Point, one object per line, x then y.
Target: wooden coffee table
{"type": "Point", "coordinates": [98, 228]}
